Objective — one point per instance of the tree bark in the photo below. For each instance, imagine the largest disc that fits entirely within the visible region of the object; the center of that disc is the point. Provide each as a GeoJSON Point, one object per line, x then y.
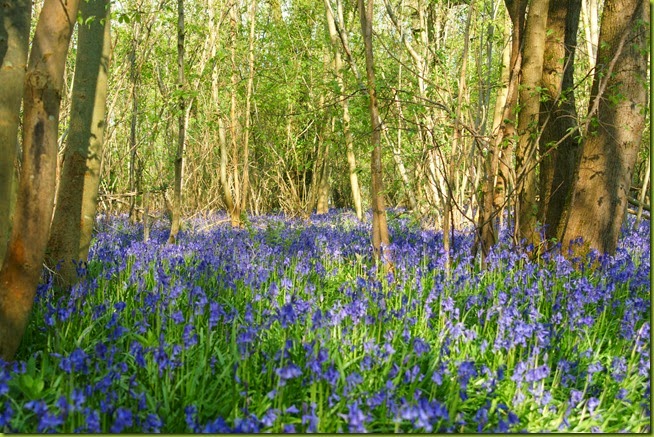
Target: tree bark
{"type": "Point", "coordinates": [70, 232]}
{"type": "Point", "coordinates": [617, 109]}
{"type": "Point", "coordinates": [380, 237]}
{"type": "Point", "coordinates": [22, 266]}
{"type": "Point", "coordinates": [349, 142]}
{"type": "Point", "coordinates": [559, 142]}
{"type": "Point", "coordinates": [529, 95]}
{"type": "Point", "coordinates": [181, 127]}
{"type": "Point", "coordinates": [14, 37]}
{"type": "Point", "coordinates": [497, 175]}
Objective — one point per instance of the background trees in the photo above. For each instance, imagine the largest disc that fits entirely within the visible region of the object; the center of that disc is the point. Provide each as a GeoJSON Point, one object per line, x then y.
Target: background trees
{"type": "Point", "coordinates": [487, 111]}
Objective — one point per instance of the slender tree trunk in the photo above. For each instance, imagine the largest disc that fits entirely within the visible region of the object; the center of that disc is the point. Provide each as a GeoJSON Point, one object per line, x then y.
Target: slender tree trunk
{"type": "Point", "coordinates": [530, 81]}
{"type": "Point", "coordinates": [248, 101]}
{"type": "Point", "coordinates": [349, 142]}
{"type": "Point", "coordinates": [23, 263]}
{"type": "Point", "coordinates": [14, 37]}
{"type": "Point", "coordinates": [70, 232]}
{"type": "Point", "coordinates": [448, 226]}
{"type": "Point", "coordinates": [496, 185]}
{"type": "Point", "coordinates": [181, 126]}
{"type": "Point", "coordinates": [380, 237]}
{"type": "Point", "coordinates": [133, 74]}
{"type": "Point", "coordinates": [559, 141]}
{"type": "Point", "coordinates": [235, 212]}
{"type": "Point", "coordinates": [617, 108]}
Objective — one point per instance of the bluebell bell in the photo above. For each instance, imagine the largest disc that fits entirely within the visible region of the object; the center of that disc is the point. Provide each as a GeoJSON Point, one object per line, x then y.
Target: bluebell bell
{"type": "Point", "coordinates": [152, 423]}
{"type": "Point", "coordinates": [49, 422]}
{"type": "Point", "coordinates": [6, 414]}
{"type": "Point", "coordinates": [218, 426]}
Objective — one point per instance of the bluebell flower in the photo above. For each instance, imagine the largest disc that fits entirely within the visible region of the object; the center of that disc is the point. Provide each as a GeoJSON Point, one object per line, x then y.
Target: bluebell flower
{"type": "Point", "coordinates": [288, 372]}
{"type": "Point", "coordinates": [49, 422]}
{"type": "Point", "coordinates": [466, 371]}
{"type": "Point", "coordinates": [218, 426]}
{"type": "Point", "coordinates": [592, 404]}
{"type": "Point", "coordinates": [420, 347]}
{"type": "Point", "coordinates": [355, 418]}
{"type": "Point", "coordinates": [269, 417]}
{"type": "Point", "coordinates": [152, 423]}
{"type": "Point", "coordinates": [190, 413]}
{"type": "Point", "coordinates": [122, 419]}
{"type": "Point", "coordinates": [289, 428]}
{"type": "Point", "coordinates": [575, 397]}
{"type": "Point", "coordinates": [6, 414]}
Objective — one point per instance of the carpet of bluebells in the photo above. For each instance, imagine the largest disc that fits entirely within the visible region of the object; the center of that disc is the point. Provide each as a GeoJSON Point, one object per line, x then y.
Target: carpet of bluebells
{"type": "Point", "coordinates": [287, 326]}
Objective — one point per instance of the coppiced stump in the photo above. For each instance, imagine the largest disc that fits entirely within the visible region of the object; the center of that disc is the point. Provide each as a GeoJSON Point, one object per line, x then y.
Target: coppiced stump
{"type": "Point", "coordinates": [23, 263]}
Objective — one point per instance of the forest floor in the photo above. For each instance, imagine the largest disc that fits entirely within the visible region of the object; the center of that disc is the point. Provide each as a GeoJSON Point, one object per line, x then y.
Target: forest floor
{"type": "Point", "coordinates": [286, 325]}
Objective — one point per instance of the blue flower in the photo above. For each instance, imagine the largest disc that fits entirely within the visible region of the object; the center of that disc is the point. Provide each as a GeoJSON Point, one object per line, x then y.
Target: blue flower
{"type": "Point", "coordinates": [49, 422]}
{"type": "Point", "coordinates": [420, 347]}
{"type": "Point", "coordinates": [190, 413]}
{"type": "Point", "coordinates": [217, 426]}
{"type": "Point", "coordinates": [289, 372]}
{"type": "Point", "coordinates": [152, 423]}
{"type": "Point", "coordinates": [355, 418]}
{"type": "Point", "coordinates": [123, 419]}
{"type": "Point", "coordinates": [6, 413]}
{"type": "Point", "coordinates": [466, 371]}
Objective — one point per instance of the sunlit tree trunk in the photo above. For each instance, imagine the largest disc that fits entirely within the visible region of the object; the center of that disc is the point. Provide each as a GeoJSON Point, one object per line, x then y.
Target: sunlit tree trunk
{"type": "Point", "coordinates": [617, 108]}
{"type": "Point", "coordinates": [23, 261]}
{"type": "Point", "coordinates": [497, 175]}
{"type": "Point", "coordinates": [349, 142]}
{"type": "Point", "coordinates": [529, 95]}
{"type": "Point", "coordinates": [559, 142]}
{"type": "Point", "coordinates": [248, 101]}
{"type": "Point", "coordinates": [70, 233]}
{"type": "Point", "coordinates": [233, 177]}
{"type": "Point", "coordinates": [14, 36]}
{"type": "Point", "coordinates": [380, 237]}
{"type": "Point", "coordinates": [181, 126]}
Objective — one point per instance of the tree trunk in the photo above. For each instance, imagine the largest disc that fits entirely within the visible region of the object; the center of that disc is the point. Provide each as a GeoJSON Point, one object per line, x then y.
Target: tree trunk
{"type": "Point", "coordinates": [181, 126]}
{"type": "Point", "coordinates": [529, 95]}
{"type": "Point", "coordinates": [235, 212]}
{"type": "Point", "coordinates": [23, 261]}
{"type": "Point", "coordinates": [248, 101]}
{"type": "Point", "coordinates": [559, 141]}
{"type": "Point", "coordinates": [617, 109]}
{"type": "Point", "coordinates": [349, 142]}
{"type": "Point", "coordinates": [496, 186]}
{"type": "Point", "coordinates": [14, 37]}
{"type": "Point", "coordinates": [380, 237]}
{"type": "Point", "coordinates": [70, 232]}
{"type": "Point", "coordinates": [133, 74]}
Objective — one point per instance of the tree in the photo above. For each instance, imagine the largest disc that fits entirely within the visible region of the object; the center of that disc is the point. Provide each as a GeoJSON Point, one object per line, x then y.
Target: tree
{"type": "Point", "coordinates": [23, 261]}
{"type": "Point", "coordinates": [181, 126]}
{"type": "Point", "coordinates": [560, 139]}
{"type": "Point", "coordinates": [70, 232]}
{"type": "Point", "coordinates": [529, 98]}
{"type": "Point", "coordinates": [380, 237]}
{"type": "Point", "coordinates": [338, 70]}
{"type": "Point", "coordinates": [14, 37]}
{"type": "Point", "coordinates": [616, 123]}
